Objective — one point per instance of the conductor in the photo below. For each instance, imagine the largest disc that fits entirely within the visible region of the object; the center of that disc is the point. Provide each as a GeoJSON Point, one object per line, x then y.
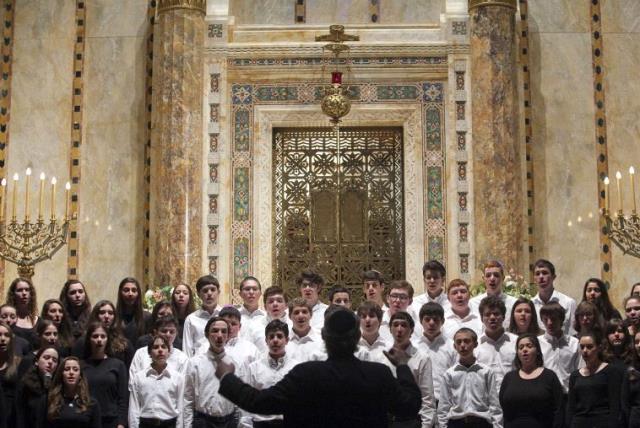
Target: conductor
{"type": "Point", "coordinates": [339, 392]}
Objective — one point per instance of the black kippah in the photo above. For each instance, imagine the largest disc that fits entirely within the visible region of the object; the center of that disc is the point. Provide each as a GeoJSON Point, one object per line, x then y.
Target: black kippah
{"type": "Point", "coordinates": [342, 322]}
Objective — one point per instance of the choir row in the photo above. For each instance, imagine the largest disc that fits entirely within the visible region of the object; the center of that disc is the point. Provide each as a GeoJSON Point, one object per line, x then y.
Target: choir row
{"type": "Point", "coordinates": [476, 360]}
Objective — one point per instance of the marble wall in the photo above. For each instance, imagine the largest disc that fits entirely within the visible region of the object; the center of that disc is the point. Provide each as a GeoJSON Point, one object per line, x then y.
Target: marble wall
{"type": "Point", "coordinates": [111, 187]}
{"type": "Point", "coordinates": [282, 12]}
{"type": "Point", "coordinates": [110, 193]}
{"type": "Point", "coordinates": [621, 38]}
{"type": "Point", "coordinates": [563, 123]}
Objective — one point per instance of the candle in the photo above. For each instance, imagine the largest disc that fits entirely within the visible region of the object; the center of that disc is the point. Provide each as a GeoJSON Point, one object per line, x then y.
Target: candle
{"type": "Point", "coordinates": [67, 191]}
{"type": "Point", "coordinates": [15, 196]}
{"type": "Point", "coordinates": [618, 178]}
{"type": "Point", "coordinates": [41, 205]}
{"type": "Point", "coordinates": [606, 194]}
{"type": "Point", "coordinates": [53, 198]}
{"type": "Point", "coordinates": [632, 172]}
{"type": "Point", "coordinates": [2, 195]}
{"type": "Point", "coordinates": [26, 196]}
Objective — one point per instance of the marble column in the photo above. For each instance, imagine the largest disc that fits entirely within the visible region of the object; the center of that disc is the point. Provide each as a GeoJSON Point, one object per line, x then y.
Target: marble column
{"type": "Point", "coordinates": [176, 143]}
{"type": "Point", "coordinates": [498, 193]}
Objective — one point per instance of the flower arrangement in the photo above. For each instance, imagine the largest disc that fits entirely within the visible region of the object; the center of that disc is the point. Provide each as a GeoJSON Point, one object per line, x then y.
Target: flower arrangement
{"type": "Point", "coordinates": [514, 285]}
{"type": "Point", "coordinates": [157, 294]}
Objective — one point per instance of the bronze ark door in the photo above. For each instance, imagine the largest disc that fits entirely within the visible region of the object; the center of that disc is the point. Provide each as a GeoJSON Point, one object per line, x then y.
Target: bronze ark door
{"type": "Point", "coordinates": [338, 208]}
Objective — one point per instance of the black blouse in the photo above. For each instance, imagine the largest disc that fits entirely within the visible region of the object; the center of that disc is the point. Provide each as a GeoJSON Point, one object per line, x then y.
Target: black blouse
{"type": "Point", "coordinates": [71, 417]}
{"type": "Point", "coordinates": [108, 384]}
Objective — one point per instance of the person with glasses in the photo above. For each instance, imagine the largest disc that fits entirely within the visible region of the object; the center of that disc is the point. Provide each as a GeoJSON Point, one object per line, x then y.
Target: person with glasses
{"type": "Point", "coordinates": [310, 284]}
{"type": "Point", "coordinates": [400, 298]}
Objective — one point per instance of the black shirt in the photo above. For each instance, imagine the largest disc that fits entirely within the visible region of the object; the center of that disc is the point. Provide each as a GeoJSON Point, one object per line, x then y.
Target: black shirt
{"type": "Point", "coordinates": [108, 384]}
{"type": "Point", "coordinates": [531, 403]}
{"type": "Point", "coordinates": [70, 416]}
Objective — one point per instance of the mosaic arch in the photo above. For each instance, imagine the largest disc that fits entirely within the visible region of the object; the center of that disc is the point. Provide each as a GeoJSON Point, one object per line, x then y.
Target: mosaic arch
{"type": "Point", "coordinates": [425, 97]}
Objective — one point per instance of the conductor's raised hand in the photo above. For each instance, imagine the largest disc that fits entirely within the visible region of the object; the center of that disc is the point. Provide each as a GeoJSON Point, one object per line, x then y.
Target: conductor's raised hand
{"type": "Point", "coordinates": [397, 356]}
{"type": "Point", "coordinates": [224, 367]}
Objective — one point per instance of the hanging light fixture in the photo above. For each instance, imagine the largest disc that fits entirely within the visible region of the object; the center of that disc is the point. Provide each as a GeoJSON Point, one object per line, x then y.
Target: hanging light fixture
{"type": "Point", "coordinates": [336, 103]}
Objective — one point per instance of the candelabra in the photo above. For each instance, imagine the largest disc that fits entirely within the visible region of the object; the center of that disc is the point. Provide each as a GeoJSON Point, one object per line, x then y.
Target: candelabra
{"type": "Point", "coordinates": [623, 230]}
{"type": "Point", "coordinates": [27, 243]}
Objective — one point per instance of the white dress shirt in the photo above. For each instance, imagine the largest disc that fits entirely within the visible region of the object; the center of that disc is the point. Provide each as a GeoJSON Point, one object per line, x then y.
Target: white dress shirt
{"type": "Point", "coordinates": [309, 347]}
{"type": "Point", "coordinates": [441, 299]}
{"type": "Point", "coordinates": [201, 387]}
{"type": "Point", "coordinates": [263, 373]}
{"type": "Point", "coordinates": [156, 395]}
{"type": "Point", "coordinates": [255, 333]}
{"type": "Point", "coordinates": [247, 319]}
{"type": "Point", "coordinates": [443, 356]}
{"type": "Point", "coordinates": [373, 351]}
{"type": "Point", "coordinates": [508, 301]}
{"type": "Point", "coordinates": [498, 355]}
{"type": "Point", "coordinates": [469, 391]}
{"type": "Point", "coordinates": [453, 323]}
{"type": "Point", "coordinates": [142, 360]}
{"type": "Point", "coordinates": [317, 315]}
{"type": "Point", "coordinates": [420, 365]}
{"type": "Point", "coordinates": [562, 355]}
{"type": "Point", "coordinates": [566, 302]}
{"type": "Point", "coordinates": [237, 348]}
{"type": "Point", "coordinates": [193, 329]}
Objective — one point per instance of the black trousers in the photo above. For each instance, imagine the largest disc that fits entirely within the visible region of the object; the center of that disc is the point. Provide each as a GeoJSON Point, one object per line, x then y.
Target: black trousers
{"type": "Point", "coordinates": [469, 422]}
{"type": "Point", "coordinates": [201, 420]}
{"type": "Point", "coordinates": [278, 423]}
{"type": "Point", "coordinates": [157, 423]}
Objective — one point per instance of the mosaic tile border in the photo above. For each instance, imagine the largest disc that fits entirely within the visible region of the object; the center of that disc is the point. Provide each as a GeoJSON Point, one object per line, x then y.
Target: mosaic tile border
{"type": "Point", "coordinates": [460, 69]}
{"type": "Point", "coordinates": [213, 187]}
{"type": "Point", "coordinates": [245, 96]}
{"type": "Point", "coordinates": [528, 129]}
{"type": "Point", "coordinates": [5, 97]}
{"type": "Point", "coordinates": [354, 61]}
{"type": "Point", "coordinates": [602, 160]}
{"type": "Point", "coordinates": [151, 16]}
{"type": "Point", "coordinates": [300, 11]}
{"type": "Point", "coordinates": [73, 262]}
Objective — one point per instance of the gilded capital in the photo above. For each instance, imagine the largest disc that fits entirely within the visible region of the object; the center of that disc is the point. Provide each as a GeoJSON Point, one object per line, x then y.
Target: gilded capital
{"type": "Point", "coordinates": [512, 4]}
{"type": "Point", "coordinates": [167, 5]}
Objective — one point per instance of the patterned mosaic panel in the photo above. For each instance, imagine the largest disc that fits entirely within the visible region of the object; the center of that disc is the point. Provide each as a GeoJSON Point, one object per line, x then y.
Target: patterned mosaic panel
{"type": "Point", "coordinates": [319, 61]}
{"type": "Point", "coordinates": [76, 138]}
{"type": "Point", "coordinates": [5, 96]}
{"type": "Point", "coordinates": [245, 96]}
{"type": "Point", "coordinates": [151, 16]}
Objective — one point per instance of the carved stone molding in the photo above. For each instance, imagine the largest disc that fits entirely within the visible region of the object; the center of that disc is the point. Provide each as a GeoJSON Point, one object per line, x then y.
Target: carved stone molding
{"type": "Point", "coordinates": [197, 5]}
{"type": "Point", "coordinates": [251, 51]}
{"type": "Point", "coordinates": [506, 3]}
{"type": "Point", "coordinates": [408, 116]}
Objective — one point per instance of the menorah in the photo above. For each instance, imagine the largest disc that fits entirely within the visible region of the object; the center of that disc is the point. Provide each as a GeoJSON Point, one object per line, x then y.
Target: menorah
{"type": "Point", "coordinates": [28, 243]}
{"type": "Point", "coordinates": [623, 230]}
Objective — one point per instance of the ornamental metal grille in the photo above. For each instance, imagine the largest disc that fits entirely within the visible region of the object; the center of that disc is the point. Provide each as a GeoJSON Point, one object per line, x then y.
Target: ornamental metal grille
{"type": "Point", "coordinates": [338, 209]}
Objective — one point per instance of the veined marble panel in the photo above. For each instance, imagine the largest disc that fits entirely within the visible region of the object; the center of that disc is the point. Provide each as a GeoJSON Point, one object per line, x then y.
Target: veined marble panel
{"type": "Point", "coordinates": [564, 157]}
{"type": "Point", "coordinates": [558, 16]}
{"type": "Point", "coordinates": [107, 18]}
{"type": "Point", "coordinates": [337, 12]}
{"type": "Point", "coordinates": [40, 121]}
{"type": "Point", "coordinates": [415, 11]}
{"type": "Point", "coordinates": [621, 55]}
{"type": "Point", "coordinates": [264, 12]}
{"type": "Point", "coordinates": [37, 19]}
{"type": "Point", "coordinates": [408, 116]}
{"type": "Point", "coordinates": [111, 190]}
{"type": "Point", "coordinates": [620, 16]}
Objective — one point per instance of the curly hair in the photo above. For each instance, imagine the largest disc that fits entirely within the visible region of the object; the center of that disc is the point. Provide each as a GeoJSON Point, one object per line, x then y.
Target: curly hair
{"type": "Point", "coordinates": [33, 303]}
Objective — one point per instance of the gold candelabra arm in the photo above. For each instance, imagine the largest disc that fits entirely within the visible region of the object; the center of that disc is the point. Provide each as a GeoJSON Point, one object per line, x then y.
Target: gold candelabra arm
{"type": "Point", "coordinates": [624, 232]}
{"type": "Point", "coordinates": [27, 244]}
